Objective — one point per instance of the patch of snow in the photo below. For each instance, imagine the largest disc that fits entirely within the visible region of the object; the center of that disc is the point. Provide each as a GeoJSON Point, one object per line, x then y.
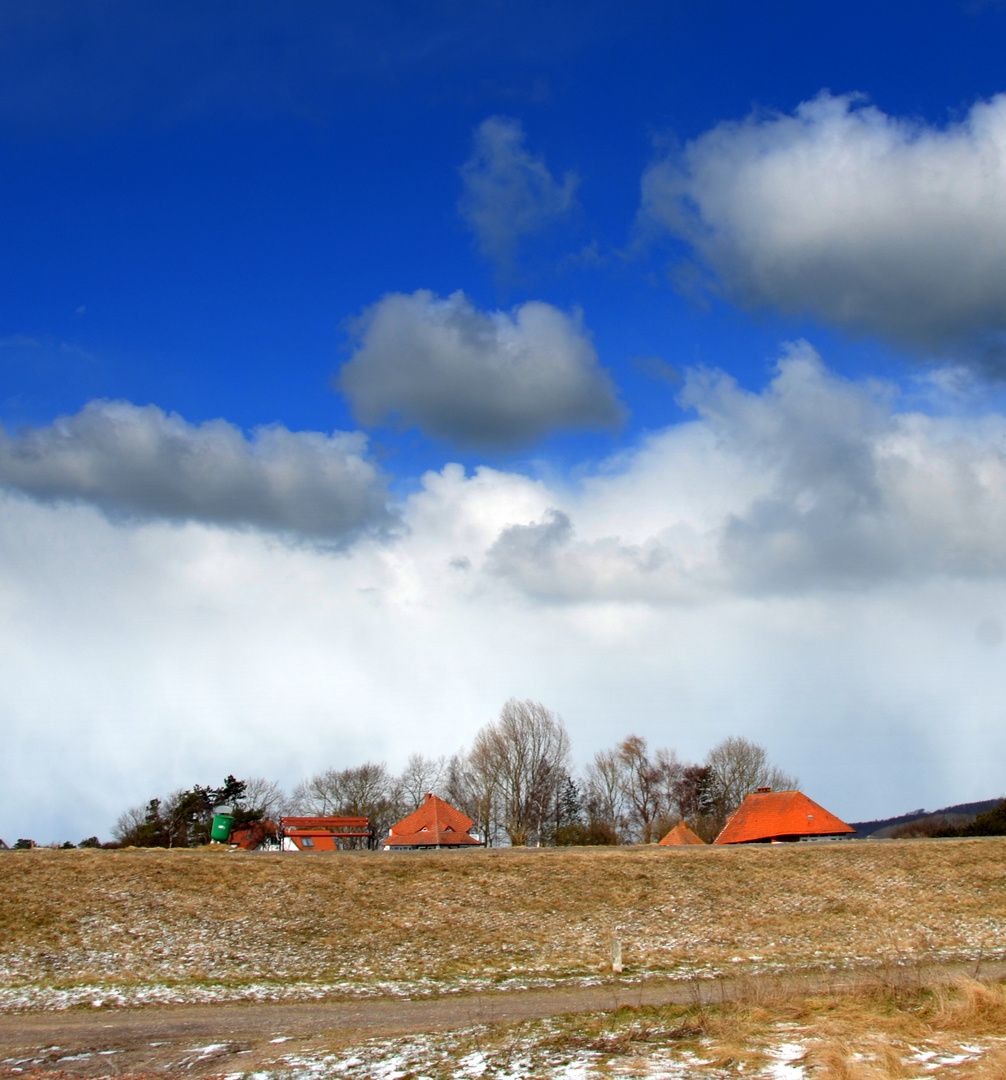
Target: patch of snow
{"type": "Point", "coordinates": [474, 1065]}
{"type": "Point", "coordinates": [210, 1048]}
{"type": "Point", "coordinates": [785, 1056]}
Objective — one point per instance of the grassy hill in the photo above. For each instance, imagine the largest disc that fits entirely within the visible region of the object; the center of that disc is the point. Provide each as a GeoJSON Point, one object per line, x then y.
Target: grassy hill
{"type": "Point", "coordinates": [135, 926]}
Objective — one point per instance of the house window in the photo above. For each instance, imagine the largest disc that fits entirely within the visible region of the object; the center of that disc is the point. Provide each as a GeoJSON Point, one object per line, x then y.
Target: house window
{"type": "Point", "coordinates": [307, 841]}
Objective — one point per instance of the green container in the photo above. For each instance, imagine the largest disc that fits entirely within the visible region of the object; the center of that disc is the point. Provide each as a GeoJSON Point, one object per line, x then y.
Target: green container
{"type": "Point", "coordinates": [221, 831]}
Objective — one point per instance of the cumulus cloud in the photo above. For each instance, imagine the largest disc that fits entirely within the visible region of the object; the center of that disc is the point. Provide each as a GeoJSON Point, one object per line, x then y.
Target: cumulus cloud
{"type": "Point", "coordinates": [508, 192]}
{"type": "Point", "coordinates": [814, 484]}
{"type": "Point", "coordinates": [869, 222]}
{"type": "Point", "coordinates": [546, 560]}
{"type": "Point", "coordinates": [697, 585]}
{"type": "Point", "coordinates": [857, 493]}
{"type": "Point", "coordinates": [142, 462]}
{"type": "Point", "coordinates": [497, 379]}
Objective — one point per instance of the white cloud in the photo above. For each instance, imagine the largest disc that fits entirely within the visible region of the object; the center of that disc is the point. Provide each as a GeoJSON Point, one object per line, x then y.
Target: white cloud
{"type": "Point", "coordinates": [547, 561]}
{"type": "Point", "coordinates": [509, 193]}
{"type": "Point", "coordinates": [813, 484]}
{"type": "Point", "coordinates": [698, 585]}
{"type": "Point", "coordinates": [496, 379]}
{"type": "Point", "coordinates": [869, 222]}
{"type": "Point", "coordinates": [142, 462]}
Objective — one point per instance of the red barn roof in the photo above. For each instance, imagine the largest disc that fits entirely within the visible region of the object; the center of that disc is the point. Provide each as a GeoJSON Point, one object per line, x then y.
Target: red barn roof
{"type": "Point", "coordinates": [779, 815]}
{"type": "Point", "coordinates": [680, 836]}
{"type": "Point", "coordinates": [435, 824]}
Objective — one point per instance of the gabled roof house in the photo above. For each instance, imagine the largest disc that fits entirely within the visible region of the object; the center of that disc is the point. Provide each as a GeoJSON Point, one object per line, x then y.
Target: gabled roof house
{"type": "Point", "coordinates": [436, 824]}
{"type": "Point", "coordinates": [767, 816]}
{"type": "Point", "coordinates": [681, 836]}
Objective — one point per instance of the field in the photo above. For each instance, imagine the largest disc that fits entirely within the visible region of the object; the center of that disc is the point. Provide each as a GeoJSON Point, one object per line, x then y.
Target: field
{"type": "Point", "coordinates": [105, 930]}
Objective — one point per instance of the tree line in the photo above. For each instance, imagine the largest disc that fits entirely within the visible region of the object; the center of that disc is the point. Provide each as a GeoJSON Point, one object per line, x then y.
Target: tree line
{"type": "Point", "coordinates": [990, 823]}
{"type": "Point", "coordinates": [516, 782]}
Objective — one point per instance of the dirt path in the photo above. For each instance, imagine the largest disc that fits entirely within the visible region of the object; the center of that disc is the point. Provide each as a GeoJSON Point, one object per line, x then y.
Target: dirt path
{"type": "Point", "coordinates": [212, 1040]}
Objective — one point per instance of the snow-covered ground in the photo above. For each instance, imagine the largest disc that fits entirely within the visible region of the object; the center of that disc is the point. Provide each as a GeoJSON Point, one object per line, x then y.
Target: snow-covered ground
{"type": "Point", "coordinates": [781, 1057]}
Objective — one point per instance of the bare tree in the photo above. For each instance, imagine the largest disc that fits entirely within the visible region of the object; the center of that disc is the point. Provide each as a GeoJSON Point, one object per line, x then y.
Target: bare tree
{"type": "Point", "coordinates": [420, 776]}
{"type": "Point", "coordinates": [648, 783]}
{"type": "Point", "coordinates": [133, 825]}
{"type": "Point", "coordinates": [319, 794]}
{"type": "Point", "coordinates": [527, 752]}
{"type": "Point", "coordinates": [361, 791]}
{"type": "Point", "coordinates": [736, 767]}
{"type": "Point", "coordinates": [604, 796]}
{"type": "Point", "coordinates": [472, 785]}
{"type": "Point", "coordinates": [630, 793]}
{"type": "Point", "coordinates": [265, 797]}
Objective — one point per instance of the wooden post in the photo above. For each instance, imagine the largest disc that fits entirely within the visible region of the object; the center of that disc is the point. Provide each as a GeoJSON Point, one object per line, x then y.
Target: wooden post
{"type": "Point", "coordinates": [616, 955]}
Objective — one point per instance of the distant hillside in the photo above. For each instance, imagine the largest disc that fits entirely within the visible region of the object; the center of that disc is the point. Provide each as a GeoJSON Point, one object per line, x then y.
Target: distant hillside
{"type": "Point", "coordinates": [961, 814]}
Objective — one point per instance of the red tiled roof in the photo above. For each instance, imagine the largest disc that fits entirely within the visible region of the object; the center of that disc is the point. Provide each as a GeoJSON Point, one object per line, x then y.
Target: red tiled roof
{"type": "Point", "coordinates": [435, 824]}
{"type": "Point", "coordinates": [253, 834]}
{"type": "Point", "coordinates": [768, 815]}
{"type": "Point", "coordinates": [681, 835]}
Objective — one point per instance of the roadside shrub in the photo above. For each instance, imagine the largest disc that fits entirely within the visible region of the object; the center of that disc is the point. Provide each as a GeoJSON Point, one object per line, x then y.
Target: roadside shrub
{"type": "Point", "coordinates": [593, 834]}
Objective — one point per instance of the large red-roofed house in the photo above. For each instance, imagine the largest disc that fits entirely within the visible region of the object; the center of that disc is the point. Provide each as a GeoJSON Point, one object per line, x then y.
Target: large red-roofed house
{"type": "Point", "coordinates": [436, 824]}
{"type": "Point", "coordinates": [767, 816]}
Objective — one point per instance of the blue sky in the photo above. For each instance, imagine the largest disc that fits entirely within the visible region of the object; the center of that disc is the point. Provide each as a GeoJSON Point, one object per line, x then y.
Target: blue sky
{"type": "Point", "coordinates": [716, 346]}
{"type": "Point", "coordinates": [197, 202]}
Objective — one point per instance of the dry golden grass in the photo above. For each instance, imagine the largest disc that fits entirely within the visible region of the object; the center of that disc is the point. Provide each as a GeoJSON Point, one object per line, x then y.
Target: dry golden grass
{"type": "Point", "coordinates": [881, 1033]}
{"type": "Point", "coordinates": [140, 925]}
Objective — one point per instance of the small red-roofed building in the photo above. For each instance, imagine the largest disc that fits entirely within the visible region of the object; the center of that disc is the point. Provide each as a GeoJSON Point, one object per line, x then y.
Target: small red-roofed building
{"type": "Point", "coordinates": [436, 824]}
{"type": "Point", "coordinates": [681, 836]}
{"type": "Point", "coordinates": [767, 816]}
{"type": "Point", "coordinates": [256, 835]}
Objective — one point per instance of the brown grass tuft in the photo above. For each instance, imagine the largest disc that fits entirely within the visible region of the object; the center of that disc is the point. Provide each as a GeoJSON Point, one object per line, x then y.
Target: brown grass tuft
{"type": "Point", "coordinates": [971, 1007]}
{"type": "Point", "coordinates": [836, 1060]}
